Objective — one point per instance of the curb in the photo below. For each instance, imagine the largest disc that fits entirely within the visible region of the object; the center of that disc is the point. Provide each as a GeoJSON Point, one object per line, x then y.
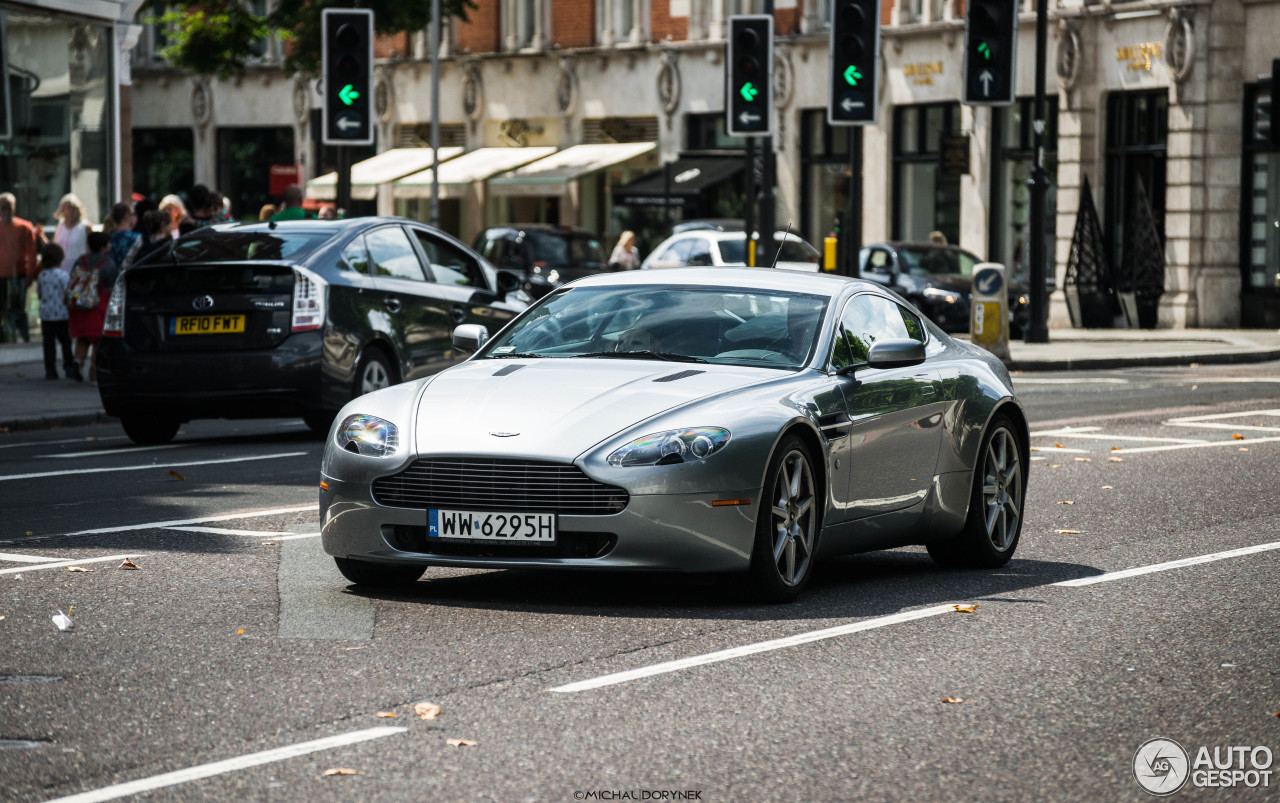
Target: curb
{"type": "Point", "coordinates": [33, 423]}
{"type": "Point", "coordinates": [1154, 361]}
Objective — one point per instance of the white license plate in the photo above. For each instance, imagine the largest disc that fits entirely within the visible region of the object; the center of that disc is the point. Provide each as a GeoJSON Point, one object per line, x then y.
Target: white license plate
{"type": "Point", "coordinates": [467, 525]}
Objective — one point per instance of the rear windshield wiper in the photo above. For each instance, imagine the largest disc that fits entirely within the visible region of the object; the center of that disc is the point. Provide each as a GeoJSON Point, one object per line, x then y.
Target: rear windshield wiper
{"type": "Point", "coordinates": [644, 355]}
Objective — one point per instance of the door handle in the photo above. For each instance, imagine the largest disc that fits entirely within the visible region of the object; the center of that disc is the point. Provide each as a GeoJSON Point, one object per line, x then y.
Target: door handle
{"type": "Point", "coordinates": [393, 304]}
{"type": "Point", "coordinates": [457, 314]}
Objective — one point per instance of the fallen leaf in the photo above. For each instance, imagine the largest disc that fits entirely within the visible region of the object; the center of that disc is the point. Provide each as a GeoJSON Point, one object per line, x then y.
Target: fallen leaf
{"type": "Point", "coordinates": [128, 564]}
{"type": "Point", "coordinates": [1193, 365]}
{"type": "Point", "coordinates": [1107, 488]}
{"type": "Point", "coordinates": [1035, 448]}
{"type": "Point", "coordinates": [339, 771]}
{"type": "Point", "coordinates": [78, 569]}
{"type": "Point", "coordinates": [386, 714]}
{"type": "Point", "coordinates": [461, 742]}
{"type": "Point", "coordinates": [1115, 448]}
{"type": "Point", "coordinates": [176, 475]}
{"type": "Point", "coordinates": [953, 700]}
{"type": "Point", "coordinates": [1059, 445]}
{"type": "Point", "coordinates": [1055, 465]}
{"type": "Point", "coordinates": [1067, 532]}
{"type": "Point", "coordinates": [1, 618]}
{"type": "Point", "coordinates": [29, 532]}
{"type": "Point", "coordinates": [1083, 460]}
{"type": "Point", "coordinates": [966, 608]}
{"type": "Point", "coordinates": [1236, 436]}
{"type": "Point", "coordinates": [240, 632]}
{"type": "Point", "coordinates": [1244, 448]}
{"type": "Point", "coordinates": [426, 710]}
{"type": "Point", "coordinates": [1066, 502]}
{"type": "Point", "coordinates": [1116, 459]}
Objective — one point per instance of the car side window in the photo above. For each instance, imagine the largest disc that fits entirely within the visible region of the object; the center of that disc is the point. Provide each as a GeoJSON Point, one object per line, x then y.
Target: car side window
{"type": "Point", "coordinates": [392, 254]}
{"type": "Point", "coordinates": [677, 251]}
{"type": "Point", "coordinates": [449, 263]}
{"type": "Point", "coordinates": [699, 252]}
{"type": "Point", "coordinates": [868, 319]}
{"type": "Point", "coordinates": [355, 255]}
{"type": "Point", "coordinates": [967, 263]}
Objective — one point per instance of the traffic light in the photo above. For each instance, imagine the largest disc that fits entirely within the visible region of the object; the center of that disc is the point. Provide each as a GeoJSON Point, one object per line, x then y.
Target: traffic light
{"type": "Point", "coordinates": [855, 53]}
{"type": "Point", "coordinates": [347, 56]}
{"type": "Point", "coordinates": [749, 70]}
{"type": "Point", "coordinates": [990, 50]}
{"type": "Point", "coordinates": [1266, 129]}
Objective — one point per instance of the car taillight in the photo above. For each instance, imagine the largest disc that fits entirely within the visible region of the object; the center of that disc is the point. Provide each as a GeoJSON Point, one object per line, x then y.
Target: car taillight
{"type": "Point", "coordinates": [309, 292]}
{"type": "Point", "coordinates": [113, 323]}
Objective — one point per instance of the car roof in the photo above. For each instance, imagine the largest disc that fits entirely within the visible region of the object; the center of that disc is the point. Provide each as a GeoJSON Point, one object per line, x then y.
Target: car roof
{"type": "Point", "coordinates": [312, 226]}
{"type": "Point", "coordinates": [713, 234]}
{"type": "Point", "coordinates": [745, 278]}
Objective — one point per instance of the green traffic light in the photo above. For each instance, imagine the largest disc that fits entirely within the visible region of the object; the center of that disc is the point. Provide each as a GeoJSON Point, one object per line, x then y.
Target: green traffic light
{"type": "Point", "coordinates": [985, 50]}
{"type": "Point", "coordinates": [348, 95]}
{"type": "Point", "coordinates": [851, 75]}
{"type": "Point", "coordinates": [749, 91]}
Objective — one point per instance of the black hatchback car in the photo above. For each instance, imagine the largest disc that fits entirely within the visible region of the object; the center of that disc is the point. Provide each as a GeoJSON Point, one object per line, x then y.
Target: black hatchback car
{"type": "Point", "coordinates": [938, 279]}
{"type": "Point", "coordinates": [289, 319]}
{"type": "Point", "coordinates": [544, 256]}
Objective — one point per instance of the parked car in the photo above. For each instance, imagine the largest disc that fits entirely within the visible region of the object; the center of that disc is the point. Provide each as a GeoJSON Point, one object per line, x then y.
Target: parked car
{"type": "Point", "coordinates": [543, 256]}
{"type": "Point", "coordinates": [288, 319]}
{"type": "Point", "coordinates": [716, 248]}
{"type": "Point", "coordinates": [703, 420]}
{"type": "Point", "coordinates": [938, 279]}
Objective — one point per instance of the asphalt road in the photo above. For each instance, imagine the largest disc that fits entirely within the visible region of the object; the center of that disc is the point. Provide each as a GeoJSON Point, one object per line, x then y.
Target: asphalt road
{"type": "Point", "coordinates": [236, 637]}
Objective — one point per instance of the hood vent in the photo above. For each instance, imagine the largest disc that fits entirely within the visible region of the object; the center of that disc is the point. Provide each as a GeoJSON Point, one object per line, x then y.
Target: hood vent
{"type": "Point", "coordinates": [507, 370]}
{"type": "Point", "coordinates": [680, 375]}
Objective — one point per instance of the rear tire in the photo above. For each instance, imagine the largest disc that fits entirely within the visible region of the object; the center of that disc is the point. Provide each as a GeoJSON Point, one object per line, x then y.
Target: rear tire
{"type": "Point", "coordinates": [787, 525]}
{"type": "Point", "coordinates": [378, 575]}
{"type": "Point", "coordinates": [149, 430]}
{"type": "Point", "coordinates": [994, 524]}
{"type": "Point", "coordinates": [374, 372]}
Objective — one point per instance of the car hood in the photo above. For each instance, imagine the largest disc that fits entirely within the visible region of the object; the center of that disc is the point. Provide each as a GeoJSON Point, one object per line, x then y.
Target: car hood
{"type": "Point", "coordinates": [557, 408]}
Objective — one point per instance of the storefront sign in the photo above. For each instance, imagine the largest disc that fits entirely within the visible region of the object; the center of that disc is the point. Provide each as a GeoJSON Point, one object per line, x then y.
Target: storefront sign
{"type": "Point", "coordinates": [281, 176]}
{"type": "Point", "coordinates": [954, 154]}
{"type": "Point", "coordinates": [1139, 56]}
{"type": "Point", "coordinates": [921, 74]}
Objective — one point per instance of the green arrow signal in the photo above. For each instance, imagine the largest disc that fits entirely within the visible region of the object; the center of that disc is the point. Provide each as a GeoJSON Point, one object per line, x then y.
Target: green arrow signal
{"type": "Point", "coordinates": [985, 50]}
{"type": "Point", "coordinates": [348, 95]}
{"type": "Point", "coordinates": [852, 75]}
{"type": "Point", "coordinates": [749, 91]}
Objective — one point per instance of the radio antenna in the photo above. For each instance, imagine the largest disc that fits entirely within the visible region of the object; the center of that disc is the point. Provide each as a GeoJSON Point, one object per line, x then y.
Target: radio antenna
{"type": "Point", "coordinates": [779, 251]}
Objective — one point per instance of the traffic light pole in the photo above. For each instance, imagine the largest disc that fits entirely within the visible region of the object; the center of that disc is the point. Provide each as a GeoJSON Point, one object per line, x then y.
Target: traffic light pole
{"type": "Point", "coordinates": [1038, 328]}
{"type": "Point", "coordinates": [767, 206]}
{"type": "Point", "coordinates": [853, 215]}
{"type": "Point", "coordinates": [344, 179]}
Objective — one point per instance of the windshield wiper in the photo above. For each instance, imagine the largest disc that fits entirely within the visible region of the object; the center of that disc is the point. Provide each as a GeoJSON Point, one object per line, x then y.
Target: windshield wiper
{"type": "Point", "coordinates": [516, 355]}
{"type": "Point", "coordinates": [644, 355]}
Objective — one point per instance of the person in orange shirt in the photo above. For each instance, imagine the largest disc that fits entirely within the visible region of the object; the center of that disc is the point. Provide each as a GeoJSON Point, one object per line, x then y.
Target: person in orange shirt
{"type": "Point", "coordinates": [17, 271]}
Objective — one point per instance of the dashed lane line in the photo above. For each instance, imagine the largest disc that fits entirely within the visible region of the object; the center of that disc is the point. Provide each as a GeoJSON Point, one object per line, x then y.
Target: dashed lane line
{"type": "Point", "coordinates": [160, 525]}
{"type": "Point", "coordinates": [113, 452]}
{"type": "Point", "coordinates": [13, 557]}
{"type": "Point", "coordinates": [1173, 564]}
{"type": "Point", "coordinates": [229, 765]}
{"type": "Point", "coordinates": [148, 467]}
{"type": "Point", "coordinates": [229, 531]}
{"type": "Point", "coordinates": [63, 440]}
{"type": "Point", "coordinates": [59, 563]}
{"type": "Point", "coordinates": [1205, 445]}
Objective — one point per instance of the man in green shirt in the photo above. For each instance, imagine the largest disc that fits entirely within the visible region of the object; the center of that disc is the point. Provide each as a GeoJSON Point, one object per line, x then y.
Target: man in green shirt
{"type": "Point", "coordinates": [291, 205]}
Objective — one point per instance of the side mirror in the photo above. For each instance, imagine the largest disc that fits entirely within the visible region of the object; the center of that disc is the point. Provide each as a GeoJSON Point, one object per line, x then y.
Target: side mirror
{"type": "Point", "coordinates": [470, 337]}
{"type": "Point", "coordinates": [895, 353]}
{"type": "Point", "coordinates": [508, 281]}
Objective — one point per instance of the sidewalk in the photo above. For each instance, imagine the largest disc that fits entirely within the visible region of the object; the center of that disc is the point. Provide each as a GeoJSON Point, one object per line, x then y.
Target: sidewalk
{"type": "Point", "coordinates": [29, 401]}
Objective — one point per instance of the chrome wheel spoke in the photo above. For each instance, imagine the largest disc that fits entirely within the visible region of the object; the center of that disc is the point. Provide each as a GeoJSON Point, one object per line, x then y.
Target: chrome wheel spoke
{"type": "Point", "coordinates": [789, 572]}
{"type": "Point", "coordinates": [779, 543]}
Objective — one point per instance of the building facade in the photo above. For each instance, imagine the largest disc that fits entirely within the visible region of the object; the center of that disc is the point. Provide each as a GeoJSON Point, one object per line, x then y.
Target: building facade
{"type": "Point", "coordinates": [620, 104]}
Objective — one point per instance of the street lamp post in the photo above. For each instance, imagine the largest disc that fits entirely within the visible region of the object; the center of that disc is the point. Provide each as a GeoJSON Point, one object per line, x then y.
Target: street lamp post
{"type": "Point", "coordinates": [1038, 328]}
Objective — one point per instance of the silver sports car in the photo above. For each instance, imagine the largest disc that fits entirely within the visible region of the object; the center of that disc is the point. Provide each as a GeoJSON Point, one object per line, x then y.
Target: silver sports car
{"type": "Point", "coordinates": [695, 420]}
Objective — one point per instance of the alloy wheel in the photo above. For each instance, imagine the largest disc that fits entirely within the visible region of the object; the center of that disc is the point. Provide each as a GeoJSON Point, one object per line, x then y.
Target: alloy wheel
{"type": "Point", "coordinates": [1002, 489]}
{"type": "Point", "coordinates": [793, 518]}
{"type": "Point", "coordinates": [374, 377]}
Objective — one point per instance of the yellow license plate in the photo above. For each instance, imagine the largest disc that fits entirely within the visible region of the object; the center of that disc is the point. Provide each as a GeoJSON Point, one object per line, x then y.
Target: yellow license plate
{"type": "Point", "coordinates": [206, 324]}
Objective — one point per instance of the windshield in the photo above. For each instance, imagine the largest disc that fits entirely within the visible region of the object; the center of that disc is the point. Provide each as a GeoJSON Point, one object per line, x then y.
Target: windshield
{"type": "Point", "coordinates": [723, 325]}
{"type": "Point", "coordinates": [227, 246]}
{"type": "Point", "coordinates": [935, 261]}
{"type": "Point", "coordinates": [565, 250]}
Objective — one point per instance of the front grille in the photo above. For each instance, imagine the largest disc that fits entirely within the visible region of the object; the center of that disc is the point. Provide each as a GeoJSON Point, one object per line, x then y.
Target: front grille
{"type": "Point", "coordinates": [496, 485]}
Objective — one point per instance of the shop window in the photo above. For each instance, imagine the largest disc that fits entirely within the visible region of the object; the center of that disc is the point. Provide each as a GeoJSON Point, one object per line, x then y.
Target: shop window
{"type": "Point", "coordinates": [163, 161]}
{"type": "Point", "coordinates": [1010, 219]}
{"type": "Point", "coordinates": [1259, 223]}
{"type": "Point", "coordinates": [245, 156]}
{"type": "Point", "coordinates": [825, 175]}
{"type": "Point", "coordinates": [925, 198]}
{"type": "Point", "coordinates": [706, 132]}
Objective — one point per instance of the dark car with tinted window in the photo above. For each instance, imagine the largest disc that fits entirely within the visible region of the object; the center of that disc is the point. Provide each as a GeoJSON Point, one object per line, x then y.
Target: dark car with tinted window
{"type": "Point", "coordinates": [289, 319]}
{"type": "Point", "coordinates": [938, 279]}
{"type": "Point", "coordinates": [544, 256]}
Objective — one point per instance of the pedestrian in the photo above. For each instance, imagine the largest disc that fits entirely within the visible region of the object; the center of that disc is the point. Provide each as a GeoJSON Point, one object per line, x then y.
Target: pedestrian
{"type": "Point", "coordinates": [176, 209]}
{"type": "Point", "coordinates": [156, 228]}
{"type": "Point", "coordinates": [85, 323]}
{"type": "Point", "coordinates": [17, 271]}
{"type": "Point", "coordinates": [141, 206]}
{"type": "Point", "coordinates": [72, 231]}
{"type": "Point", "coordinates": [208, 206]}
{"type": "Point", "coordinates": [41, 239]}
{"type": "Point", "coordinates": [937, 238]}
{"type": "Point", "coordinates": [625, 255]}
{"type": "Point", "coordinates": [125, 242]}
{"type": "Point", "coordinates": [52, 286]}
{"type": "Point", "coordinates": [265, 213]}
{"type": "Point", "coordinates": [328, 212]}
{"type": "Point", "coordinates": [291, 205]}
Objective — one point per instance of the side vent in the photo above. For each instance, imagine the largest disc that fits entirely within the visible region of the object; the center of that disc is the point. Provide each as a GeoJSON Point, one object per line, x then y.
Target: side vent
{"type": "Point", "coordinates": [680, 375]}
{"type": "Point", "coordinates": [507, 370]}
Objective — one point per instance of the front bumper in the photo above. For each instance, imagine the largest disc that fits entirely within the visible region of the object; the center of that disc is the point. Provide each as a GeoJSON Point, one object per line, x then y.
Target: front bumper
{"type": "Point", "coordinates": [655, 532]}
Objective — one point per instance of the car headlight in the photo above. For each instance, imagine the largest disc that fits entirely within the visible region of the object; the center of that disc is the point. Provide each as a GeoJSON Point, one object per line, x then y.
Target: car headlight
{"type": "Point", "coordinates": [368, 435]}
{"type": "Point", "coordinates": [673, 446]}
{"type": "Point", "coordinates": [945, 296]}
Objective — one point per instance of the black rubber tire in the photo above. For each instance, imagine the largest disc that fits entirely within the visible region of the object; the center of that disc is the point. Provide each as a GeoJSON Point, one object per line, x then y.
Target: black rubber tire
{"type": "Point", "coordinates": [378, 575]}
{"type": "Point", "coordinates": [975, 547]}
{"type": "Point", "coordinates": [373, 363]}
{"type": "Point", "coordinates": [767, 581]}
{"type": "Point", "coordinates": [149, 430]}
{"type": "Point", "coordinates": [319, 423]}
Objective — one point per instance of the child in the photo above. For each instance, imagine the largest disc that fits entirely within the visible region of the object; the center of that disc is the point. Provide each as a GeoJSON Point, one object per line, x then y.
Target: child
{"type": "Point", "coordinates": [52, 287]}
{"type": "Point", "coordinates": [86, 324]}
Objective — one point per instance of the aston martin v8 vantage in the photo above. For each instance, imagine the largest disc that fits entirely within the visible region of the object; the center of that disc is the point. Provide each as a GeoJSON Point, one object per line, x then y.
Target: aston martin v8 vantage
{"type": "Point", "coordinates": [695, 420]}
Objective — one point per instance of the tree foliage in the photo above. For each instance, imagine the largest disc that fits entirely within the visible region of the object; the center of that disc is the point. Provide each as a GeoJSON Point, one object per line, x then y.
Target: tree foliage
{"type": "Point", "coordinates": [223, 36]}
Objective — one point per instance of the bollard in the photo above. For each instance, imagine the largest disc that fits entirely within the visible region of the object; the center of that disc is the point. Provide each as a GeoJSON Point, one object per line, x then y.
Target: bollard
{"type": "Point", "coordinates": [829, 254]}
{"type": "Point", "coordinates": [989, 309]}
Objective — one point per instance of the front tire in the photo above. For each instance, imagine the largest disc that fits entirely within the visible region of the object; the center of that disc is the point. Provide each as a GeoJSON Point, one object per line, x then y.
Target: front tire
{"type": "Point", "coordinates": [378, 575]}
{"type": "Point", "coordinates": [994, 524]}
{"type": "Point", "coordinates": [787, 525]}
{"type": "Point", "coordinates": [149, 430]}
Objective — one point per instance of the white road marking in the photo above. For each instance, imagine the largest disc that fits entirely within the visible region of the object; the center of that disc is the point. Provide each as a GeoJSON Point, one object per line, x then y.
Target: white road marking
{"type": "Point", "coordinates": [126, 450]}
{"type": "Point", "coordinates": [159, 525]}
{"type": "Point", "coordinates": [149, 467]}
{"type": "Point", "coordinates": [227, 531]}
{"type": "Point", "coordinates": [64, 440]}
{"type": "Point", "coordinates": [1063, 431]}
{"type": "Point", "coordinates": [1173, 564]}
{"type": "Point", "coordinates": [296, 537]}
{"type": "Point", "coordinates": [16, 558]}
{"type": "Point", "coordinates": [1059, 449]}
{"type": "Point", "coordinates": [751, 649]}
{"type": "Point", "coordinates": [1105, 437]}
{"type": "Point", "coordinates": [1204, 445]}
{"type": "Point", "coordinates": [58, 563]}
{"type": "Point", "coordinates": [228, 765]}
{"type": "Point", "coordinates": [1017, 380]}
